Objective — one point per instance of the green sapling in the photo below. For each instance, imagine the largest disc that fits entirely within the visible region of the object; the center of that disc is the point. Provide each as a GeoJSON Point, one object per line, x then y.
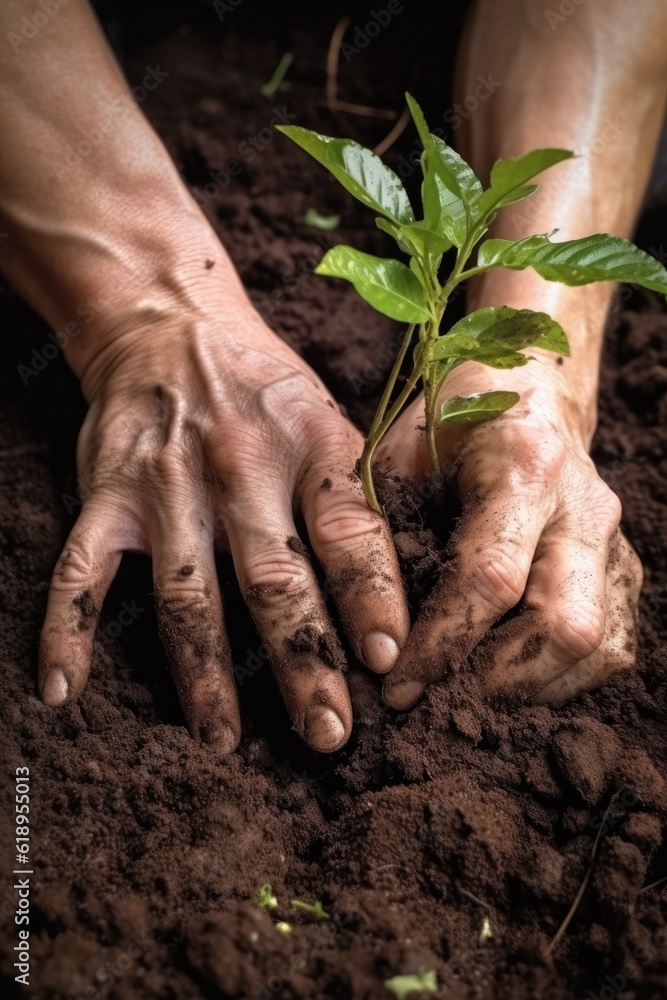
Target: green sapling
{"type": "Point", "coordinates": [456, 214]}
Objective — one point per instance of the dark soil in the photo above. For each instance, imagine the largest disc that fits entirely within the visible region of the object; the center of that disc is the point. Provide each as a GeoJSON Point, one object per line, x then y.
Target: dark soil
{"type": "Point", "coordinates": [148, 851]}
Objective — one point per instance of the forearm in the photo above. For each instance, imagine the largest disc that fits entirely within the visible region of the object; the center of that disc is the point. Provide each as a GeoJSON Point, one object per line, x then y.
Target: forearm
{"type": "Point", "coordinates": [593, 82]}
{"type": "Point", "coordinates": [92, 203]}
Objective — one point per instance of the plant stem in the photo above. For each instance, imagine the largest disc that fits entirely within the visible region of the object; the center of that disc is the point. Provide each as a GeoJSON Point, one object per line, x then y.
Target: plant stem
{"type": "Point", "coordinates": [430, 391]}
{"type": "Point", "coordinates": [391, 381]}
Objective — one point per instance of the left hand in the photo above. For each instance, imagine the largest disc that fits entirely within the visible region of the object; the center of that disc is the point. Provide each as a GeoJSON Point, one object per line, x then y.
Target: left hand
{"type": "Point", "coordinates": [540, 528]}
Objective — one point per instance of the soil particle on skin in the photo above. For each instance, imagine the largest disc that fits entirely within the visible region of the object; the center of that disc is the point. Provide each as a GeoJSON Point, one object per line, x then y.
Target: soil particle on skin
{"type": "Point", "coordinates": [309, 642]}
{"type": "Point", "coordinates": [150, 845]}
{"type": "Point", "coordinates": [87, 610]}
{"type": "Point", "coordinates": [296, 545]}
{"type": "Point", "coordinates": [532, 647]}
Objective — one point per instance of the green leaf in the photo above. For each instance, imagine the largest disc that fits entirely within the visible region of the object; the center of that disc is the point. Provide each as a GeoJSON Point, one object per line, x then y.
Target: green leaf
{"type": "Point", "coordinates": [477, 408]}
{"type": "Point", "coordinates": [415, 239]}
{"type": "Point", "coordinates": [500, 329]}
{"type": "Point", "coordinates": [401, 986]}
{"type": "Point", "coordinates": [493, 360]}
{"type": "Point", "coordinates": [386, 284]}
{"type": "Point", "coordinates": [509, 177]}
{"type": "Point", "coordinates": [451, 191]}
{"type": "Point", "coordinates": [455, 345]}
{"type": "Point", "coordinates": [327, 222]}
{"type": "Point", "coordinates": [360, 171]}
{"type": "Point", "coordinates": [578, 262]}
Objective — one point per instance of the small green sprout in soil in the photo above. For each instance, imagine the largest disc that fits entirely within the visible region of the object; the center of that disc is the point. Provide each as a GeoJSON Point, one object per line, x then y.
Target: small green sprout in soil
{"type": "Point", "coordinates": [265, 898]}
{"type": "Point", "coordinates": [326, 222]}
{"type": "Point", "coordinates": [277, 81]}
{"type": "Point", "coordinates": [315, 908]}
{"type": "Point", "coordinates": [283, 928]}
{"type": "Point", "coordinates": [456, 214]}
{"type": "Point", "coordinates": [402, 986]}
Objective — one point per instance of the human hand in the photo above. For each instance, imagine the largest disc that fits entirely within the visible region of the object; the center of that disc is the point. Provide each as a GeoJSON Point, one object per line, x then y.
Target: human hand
{"type": "Point", "coordinates": [540, 528]}
{"type": "Point", "coordinates": [203, 429]}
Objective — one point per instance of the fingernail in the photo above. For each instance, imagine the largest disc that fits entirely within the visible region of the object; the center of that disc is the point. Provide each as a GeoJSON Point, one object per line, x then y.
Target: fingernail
{"type": "Point", "coordinates": [54, 688]}
{"type": "Point", "coordinates": [220, 736]}
{"type": "Point", "coordinates": [323, 729]}
{"type": "Point", "coordinates": [380, 651]}
{"type": "Point", "coordinates": [404, 695]}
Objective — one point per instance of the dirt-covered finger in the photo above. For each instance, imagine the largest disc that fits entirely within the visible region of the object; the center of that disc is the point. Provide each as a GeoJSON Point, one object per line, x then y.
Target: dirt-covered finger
{"type": "Point", "coordinates": [285, 600]}
{"type": "Point", "coordinates": [84, 572]}
{"type": "Point", "coordinates": [354, 546]}
{"type": "Point", "coordinates": [566, 609]}
{"type": "Point", "coordinates": [618, 648]}
{"type": "Point", "coordinates": [192, 629]}
{"type": "Point", "coordinates": [491, 554]}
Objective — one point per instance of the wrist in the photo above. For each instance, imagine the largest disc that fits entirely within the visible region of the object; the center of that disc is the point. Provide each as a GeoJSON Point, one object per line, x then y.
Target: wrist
{"type": "Point", "coordinates": [566, 387]}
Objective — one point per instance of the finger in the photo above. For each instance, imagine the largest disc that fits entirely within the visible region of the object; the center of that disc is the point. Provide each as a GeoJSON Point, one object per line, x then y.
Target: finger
{"type": "Point", "coordinates": [354, 547]}
{"type": "Point", "coordinates": [81, 579]}
{"type": "Point", "coordinates": [191, 624]}
{"type": "Point", "coordinates": [282, 593]}
{"type": "Point", "coordinates": [564, 620]}
{"type": "Point", "coordinates": [566, 600]}
{"type": "Point", "coordinates": [618, 648]}
{"type": "Point", "coordinates": [492, 551]}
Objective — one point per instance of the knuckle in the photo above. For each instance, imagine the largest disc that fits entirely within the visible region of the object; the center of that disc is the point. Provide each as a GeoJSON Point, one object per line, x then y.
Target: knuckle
{"type": "Point", "coordinates": [276, 573]}
{"type": "Point", "coordinates": [328, 433]}
{"type": "Point", "coordinates": [607, 507]}
{"type": "Point", "coordinates": [499, 576]}
{"type": "Point", "coordinates": [182, 598]}
{"type": "Point", "coordinates": [578, 632]}
{"type": "Point", "coordinates": [344, 520]}
{"type": "Point", "coordinates": [74, 568]}
{"type": "Point", "coordinates": [167, 465]}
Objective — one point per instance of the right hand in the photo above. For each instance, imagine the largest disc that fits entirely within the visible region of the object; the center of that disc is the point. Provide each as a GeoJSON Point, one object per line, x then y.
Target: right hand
{"type": "Point", "coordinates": [203, 429]}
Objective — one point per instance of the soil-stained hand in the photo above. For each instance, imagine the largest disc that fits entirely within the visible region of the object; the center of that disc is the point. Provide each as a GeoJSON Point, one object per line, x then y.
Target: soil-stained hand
{"type": "Point", "coordinates": [539, 533]}
{"type": "Point", "coordinates": [208, 430]}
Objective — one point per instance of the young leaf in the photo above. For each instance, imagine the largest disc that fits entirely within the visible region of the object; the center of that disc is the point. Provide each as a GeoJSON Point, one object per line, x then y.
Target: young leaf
{"type": "Point", "coordinates": [444, 211]}
{"type": "Point", "coordinates": [501, 329]}
{"type": "Point", "coordinates": [458, 176]}
{"type": "Point", "coordinates": [416, 239]}
{"type": "Point", "coordinates": [402, 986]}
{"type": "Point", "coordinates": [477, 408]}
{"type": "Point", "coordinates": [451, 190]}
{"type": "Point", "coordinates": [577, 262]}
{"type": "Point", "coordinates": [360, 171]}
{"type": "Point", "coordinates": [508, 177]}
{"type": "Point", "coordinates": [386, 284]}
